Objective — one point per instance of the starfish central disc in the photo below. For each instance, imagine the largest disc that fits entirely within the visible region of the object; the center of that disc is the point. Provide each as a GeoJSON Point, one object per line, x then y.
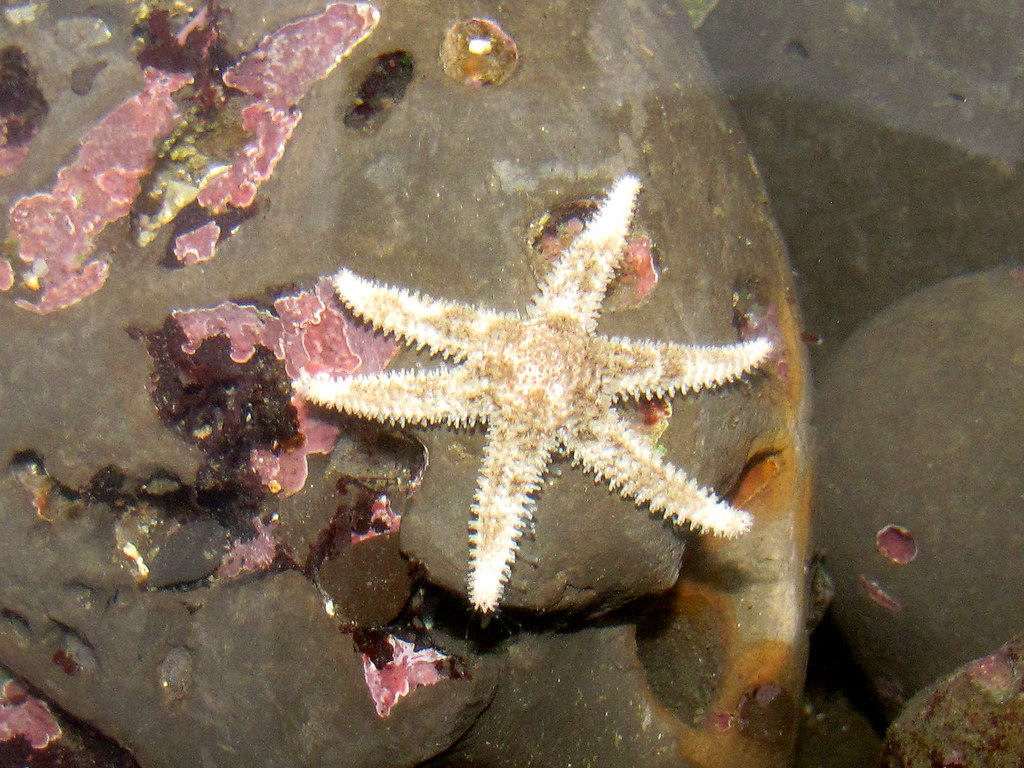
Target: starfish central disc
{"type": "Point", "coordinates": [541, 368]}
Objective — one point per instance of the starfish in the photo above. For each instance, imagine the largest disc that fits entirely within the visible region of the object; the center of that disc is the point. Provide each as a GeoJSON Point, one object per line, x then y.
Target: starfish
{"type": "Point", "coordinates": [544, 382]}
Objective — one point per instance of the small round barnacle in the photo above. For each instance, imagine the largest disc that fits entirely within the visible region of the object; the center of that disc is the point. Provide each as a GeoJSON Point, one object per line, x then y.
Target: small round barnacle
{"type": "Point", "coordinates": [478, 52]}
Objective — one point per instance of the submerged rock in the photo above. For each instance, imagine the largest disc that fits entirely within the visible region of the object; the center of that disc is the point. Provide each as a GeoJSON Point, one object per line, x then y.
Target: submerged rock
{"type": "Point", "coordinates": [920, 430]}
{"type": "Point", "coordinates": [443, 195]}
{"type": "Point", "coordinates": [970, 719]}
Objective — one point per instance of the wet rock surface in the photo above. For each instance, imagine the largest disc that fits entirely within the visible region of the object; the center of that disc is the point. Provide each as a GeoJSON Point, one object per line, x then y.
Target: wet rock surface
{"type": "Point", "coordinates": [888, 136]}
{"type": "Point", "coordinates": [250, 671]}
{"type": "Point", "coordinates": [971, 718]}
{"type": "Point", "coordinates": [888, 171]}
{"type": "Point", "coordinates": [905, 409]}
{"type": "Point", "coordinates": [116, 601]}
{"type": "Point", "coordinates": [571, 679]}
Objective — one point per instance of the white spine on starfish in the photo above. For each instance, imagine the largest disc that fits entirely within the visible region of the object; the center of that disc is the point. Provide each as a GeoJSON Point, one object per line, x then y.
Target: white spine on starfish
{"type": "Point", "coordinates": [628, 463]}
{"type": "Point", "coordinates": [416, 397]}
{"type": "Point", "coordinates": [444, 327]}
{"type": "Point", "coordinates": [577, 282]}
{"type": "Point", "coordinates": [660, 368]}
{"type": "Point", "coordinates": [513, 465]}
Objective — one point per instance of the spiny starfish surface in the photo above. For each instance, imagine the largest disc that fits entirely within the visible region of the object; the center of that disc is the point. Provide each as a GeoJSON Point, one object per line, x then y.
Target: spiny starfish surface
{"type": "Point", "coordinates": [544, 381]}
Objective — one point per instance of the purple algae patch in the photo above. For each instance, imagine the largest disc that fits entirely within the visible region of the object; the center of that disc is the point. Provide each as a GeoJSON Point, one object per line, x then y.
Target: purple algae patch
{"type": "Point", "coordinates": [244, 326]}
{"type": "Point", "coordinates": [253, 554]}
{"type": "Point", "coordinates": [6, 275]}
{"type": "Point", "coordinates": [307, 331]}
{"type": "Point", "coordinates": [407, 670]}
{"type": "Point", "coordinates": [879, 595]}
{"type": "Point", "coordinates": [896, 544]}
{"type": "Point", "coordinates": [287, 62]}
{"type": "Point", "coordinates": [277, 74]}
{"type": "Point", "coordinates": [223, 407]}
{"type": "Point", "coordinates": [255, 162]}
{"type": "Point", "coordinates": [198, 245]}
{"type": "Point", "coordinates": [25, 716]}
{"type": "Point", "coordinates": [56, 231]}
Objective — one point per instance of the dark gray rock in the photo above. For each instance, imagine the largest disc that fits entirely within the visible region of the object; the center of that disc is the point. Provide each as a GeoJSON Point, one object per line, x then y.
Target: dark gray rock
{"type": "Point", "coordinates": [241, 673]}
{"type": "Point", "coordinates": [576, 698]}
{"type": "Point", "coordinates": [889, 137]}
{"type": "Point", "coordinates": [190, 553]}
{"type": "Point", "coordinates": [441, 196]}
{"type": "Point", "coordinates": [920, 424]}
{"type": "Point", "coordinates": [970, 719]}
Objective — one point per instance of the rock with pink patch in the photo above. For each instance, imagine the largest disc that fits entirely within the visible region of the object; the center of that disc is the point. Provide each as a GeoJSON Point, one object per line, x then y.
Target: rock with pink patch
{"type": "Point", "coordinates": [970, 718]}
{"type": "Point", "coordinates": [253, 554]}
{"type": "Point", "coordinates": [383, 519]}
{"type": "Point", "coordinates": [311, 332]}
{"type": "Point", "coordinates": [277, 74]}
{"type": "Point", "coordinates": [255, 162]}
{"type": "Point", "coordinates": [6, 275]}
{"type": "Point", "coordinates": [408, 670]}
{"type": "Point", "coordinates": [56, 231]}
{"type": "Point", "coordinates": [286, 469]}
{"type": "Point", "coordinates": [921, 489]}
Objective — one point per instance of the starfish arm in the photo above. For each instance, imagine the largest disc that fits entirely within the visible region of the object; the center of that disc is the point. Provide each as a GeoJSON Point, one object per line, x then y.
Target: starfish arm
{"type": "Point", "coordinates": [657, 369]}
{"type": "Point", "coordinates": [451, 395]}
{"type": "Point", "coordinates": [577, 282]}
{"type": "Point", "coordinates": [445, 327]}
{"type": "Point", "coordinates": [618, 455]}
{"type": "Point", "coordinates": [513, 465]}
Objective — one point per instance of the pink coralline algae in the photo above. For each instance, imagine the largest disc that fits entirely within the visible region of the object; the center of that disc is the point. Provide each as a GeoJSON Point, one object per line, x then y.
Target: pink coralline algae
{"type": "Point", "coordinates": [408, 670]}
{"type": "Point", "coordinates": [309, 331]}
{"type": "Point", "coordinates": [6, 275]}
{"type": "Point", "coordinates": [896, 543]}
{"type": "Point", "coordinates": [198, 245]}
{"type": "Point", "coordinates": [253, 554]}
{"type": "Point", "coordinates": [56, 231]}
{"type": "Point", "coordinates": [26, 716]}
{"type": "Point", "coordinates": [242, 325]}
{"type": "Point", "coordinates": [878, 595]}
{"type": "Point", "coordinates": [277, 74]}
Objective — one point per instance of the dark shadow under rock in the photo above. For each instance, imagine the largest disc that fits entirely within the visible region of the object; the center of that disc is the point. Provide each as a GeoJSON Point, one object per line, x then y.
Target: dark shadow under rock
{"type": "Point", "coordinates": [577, 698]}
